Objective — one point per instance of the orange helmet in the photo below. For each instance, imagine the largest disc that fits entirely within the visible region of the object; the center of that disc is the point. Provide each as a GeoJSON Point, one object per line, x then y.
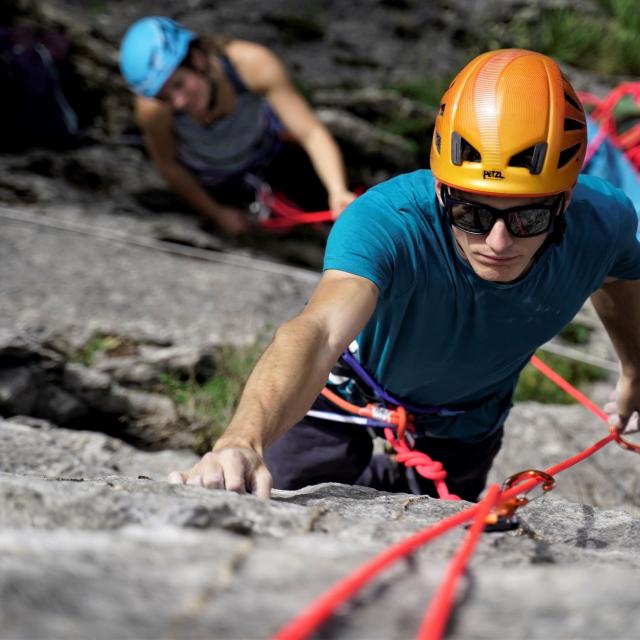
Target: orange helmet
{"type": "Point", "coordinates": [509, 125]}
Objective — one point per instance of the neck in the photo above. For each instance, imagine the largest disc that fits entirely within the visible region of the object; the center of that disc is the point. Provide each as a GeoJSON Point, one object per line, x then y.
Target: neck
{"type": "Point", "coordinates": [221, 98]}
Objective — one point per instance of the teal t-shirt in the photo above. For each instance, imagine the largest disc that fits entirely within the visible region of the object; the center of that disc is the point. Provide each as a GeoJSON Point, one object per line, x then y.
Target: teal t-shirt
{"type": "Point", "coordinates": [440, 335]}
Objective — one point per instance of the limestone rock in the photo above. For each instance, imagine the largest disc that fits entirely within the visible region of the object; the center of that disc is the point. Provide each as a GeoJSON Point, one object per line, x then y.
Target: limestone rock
{"type": "Point", "coordinates": [91, 554]}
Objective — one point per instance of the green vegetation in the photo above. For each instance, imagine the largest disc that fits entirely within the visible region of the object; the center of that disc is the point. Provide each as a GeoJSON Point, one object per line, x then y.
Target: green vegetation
{"type": "Point", "coordinates": [603, 40]}
{"type": "Point", "coordinates": [576, 333]}
{"type": "Point", "coordinates": [210, 404]}
{"type": "Point", "coordinates": [415, 130]}
{"type": "Point", "coordinates": [533, 386]}
{"type": "Point", "coordinates": [103, 343]}
{"type": "Point", "coordinates": [536, 387]}
{"type": "Point", "coordinates": [426, 90]}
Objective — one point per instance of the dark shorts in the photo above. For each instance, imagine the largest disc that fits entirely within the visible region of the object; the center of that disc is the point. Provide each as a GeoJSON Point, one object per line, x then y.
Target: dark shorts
{"type": "Point", "coordinates": [316, 451]}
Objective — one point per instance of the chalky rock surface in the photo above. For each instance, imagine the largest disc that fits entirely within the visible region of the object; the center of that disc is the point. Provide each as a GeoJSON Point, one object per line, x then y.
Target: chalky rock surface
{"type": "Point", "coordinates": [540, 436]}
{"type": "Point", "coordinates": [66, 281]}
{"type": "Point", "coordinates": [93, 543]}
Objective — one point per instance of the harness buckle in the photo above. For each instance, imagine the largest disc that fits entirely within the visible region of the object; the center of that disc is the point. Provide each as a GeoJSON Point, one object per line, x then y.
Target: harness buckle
{"type": "Point", "coordinates": [398, 418]}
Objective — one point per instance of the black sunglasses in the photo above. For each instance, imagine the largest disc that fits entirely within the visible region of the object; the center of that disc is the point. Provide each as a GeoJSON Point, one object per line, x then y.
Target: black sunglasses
{"type": "Point", "coordinates": [522, 222]}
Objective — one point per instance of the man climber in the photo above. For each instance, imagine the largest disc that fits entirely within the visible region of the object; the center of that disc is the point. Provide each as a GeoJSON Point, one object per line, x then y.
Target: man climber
{"type": "Point", "coordinates": [444, 283]}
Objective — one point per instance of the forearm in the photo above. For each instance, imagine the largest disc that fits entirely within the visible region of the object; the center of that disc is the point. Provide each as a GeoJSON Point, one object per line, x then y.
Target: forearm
{"type": "Point", "coordinates": [326, 159]}
{"type": "Point", "coordinates": [283, 385]}
{"type": "Point", "coordinates": [618, 306]}
{"type": "Point", "coordinates": [186, 185]}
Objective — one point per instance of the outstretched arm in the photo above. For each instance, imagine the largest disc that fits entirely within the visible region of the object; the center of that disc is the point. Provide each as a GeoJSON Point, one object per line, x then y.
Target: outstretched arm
{"type": "Point", "coordinates": [617, 303]}
{"type": "Point", "coordinates": [265, 74]}
{"type": "Point", "coordinates": [285, 382]}
{"type": "Point", "coordinates": [155, 120]}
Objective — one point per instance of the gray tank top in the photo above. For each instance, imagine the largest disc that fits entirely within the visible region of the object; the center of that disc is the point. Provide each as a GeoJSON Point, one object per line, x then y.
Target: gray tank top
{"type": "Point", "coordinates": [240, 142]}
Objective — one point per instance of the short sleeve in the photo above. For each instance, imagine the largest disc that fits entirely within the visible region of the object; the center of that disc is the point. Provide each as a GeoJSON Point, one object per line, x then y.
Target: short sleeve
{"type": "Point", "coordinates": [626, 259]}
{"type": "Point", "coordinates": [363, 240]}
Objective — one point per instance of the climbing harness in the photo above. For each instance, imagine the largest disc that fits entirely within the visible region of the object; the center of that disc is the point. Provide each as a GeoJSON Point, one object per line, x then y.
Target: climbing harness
{"type": "Point", "coordinates": [498, 503]}
{"type": "Point", "coordinates": [403, 425]}
{"type": "Point", "coordinates": [395, 417]}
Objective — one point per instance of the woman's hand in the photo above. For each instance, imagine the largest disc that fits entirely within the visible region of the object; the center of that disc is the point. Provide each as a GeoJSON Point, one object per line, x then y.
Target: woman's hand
{"type": "Point", "coordinates": [339, 200]}
{"type": "Point", "coordinates": [233, 222]}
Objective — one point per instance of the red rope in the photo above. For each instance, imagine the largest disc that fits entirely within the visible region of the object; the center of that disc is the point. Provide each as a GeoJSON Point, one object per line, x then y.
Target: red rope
{"type": "Point", "coordinates": [569, 388]}
{"type": "Point", "coordinates": [286, 215]}
{"type": "Point", "coordinates": [313, 616]}
{"type": "Point", "coordinates": [604, 114]}
{"type": "Point", "coordinates": [435, 620]}
{"type": "Point", "coordinates": [423, 464]}
{"type": "Point", "coordinates": [293, 221]}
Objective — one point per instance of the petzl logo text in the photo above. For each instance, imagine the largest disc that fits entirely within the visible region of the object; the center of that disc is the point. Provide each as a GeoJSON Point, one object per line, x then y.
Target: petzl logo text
{"type": "Point", "coordinates": [494, 175]}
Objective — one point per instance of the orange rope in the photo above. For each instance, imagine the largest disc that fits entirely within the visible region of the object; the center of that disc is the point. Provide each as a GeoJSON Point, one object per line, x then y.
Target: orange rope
{"type": "Point", "coordinates": [423, 464]}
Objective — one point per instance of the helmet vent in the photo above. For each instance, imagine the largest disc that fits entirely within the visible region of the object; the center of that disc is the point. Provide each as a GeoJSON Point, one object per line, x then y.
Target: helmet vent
{"type": "Point", "coordinates": [572, 125]}
{"type": "Point", "coordinates": [568, 154]}
{"type": "Point", "coordinates": [531, 158]}
{"type": "Point", "coordinates": [462, 151]}
{"type": "Point", "coordinates": [441, 109]}
{"type": "Point", "coordinates": [437, 141]}
{"type": "Point", "coordinates": [572, 101]}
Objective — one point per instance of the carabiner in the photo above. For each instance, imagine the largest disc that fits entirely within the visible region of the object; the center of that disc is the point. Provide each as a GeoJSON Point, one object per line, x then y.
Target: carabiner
{"type": "Point", "coordinates": [502, 517]}
{"type": "Point", "coordinates": [549, 482]}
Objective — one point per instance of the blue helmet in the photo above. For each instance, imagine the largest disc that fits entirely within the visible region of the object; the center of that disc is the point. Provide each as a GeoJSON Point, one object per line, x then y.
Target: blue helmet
{"type": "Point", "coordinates": [151, 50]}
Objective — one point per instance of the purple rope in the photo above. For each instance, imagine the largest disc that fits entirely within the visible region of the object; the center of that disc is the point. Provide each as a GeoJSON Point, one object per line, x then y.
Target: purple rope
{"type": "Point", "coordinates": [381, 394]}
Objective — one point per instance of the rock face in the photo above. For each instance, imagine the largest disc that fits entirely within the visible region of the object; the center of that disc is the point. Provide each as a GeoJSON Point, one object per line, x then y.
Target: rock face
{"type": "Point", "coordinates": [88, 548]}
{"type": "Point", "coordinates": [69, 281]}
{"type": "Point", "coordinates": [93, 542]}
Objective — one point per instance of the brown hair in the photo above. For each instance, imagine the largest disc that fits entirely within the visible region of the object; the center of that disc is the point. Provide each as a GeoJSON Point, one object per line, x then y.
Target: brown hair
{"type": "Point", "coordinates": [209, 45]}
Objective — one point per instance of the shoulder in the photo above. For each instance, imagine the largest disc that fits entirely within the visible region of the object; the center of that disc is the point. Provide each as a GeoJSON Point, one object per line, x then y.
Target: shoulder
{"type": "Point", "coordinates": [152, 114]}
{"type": "Point", "coordinates": [394, 213]}
{"type": "Point", "coordinates": [257, 65]}
{"type": "Point", "coordinates": [399, 199]}
{"type": "Point", "coordinates": [597, 191]}
{"type": "Point", "coordinates": [385, 230]}
{"type": "Point", "coordinates": [408, 187]}
{"type": "Point", "coordinates": [606, 205]}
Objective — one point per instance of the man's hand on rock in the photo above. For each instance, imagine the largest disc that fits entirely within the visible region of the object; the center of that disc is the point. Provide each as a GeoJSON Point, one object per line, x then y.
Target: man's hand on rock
{"type": "Point", "coordinates": [238, 469]}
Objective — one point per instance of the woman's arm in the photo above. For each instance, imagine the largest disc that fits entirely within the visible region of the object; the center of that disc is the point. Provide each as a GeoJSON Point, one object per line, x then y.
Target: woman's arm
{"type": "Point", "coordinates": [285, 382]}
{"type": "Point", "coordinates": [263, 73]}
{"type": "Point", "coordinates": [155, 119]}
